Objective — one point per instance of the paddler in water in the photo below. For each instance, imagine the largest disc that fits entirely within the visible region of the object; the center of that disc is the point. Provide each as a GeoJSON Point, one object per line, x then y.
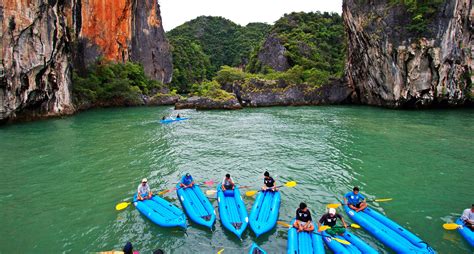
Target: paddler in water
{"type": "Point", "coordinates": [227, 183]}
{"type": "Point", "coordinates": [355, 200]}
{"type": "Point", "coordinates": [144, 191]}
{"type": "Point", "coordinates": [330, 219]}
{"type": "Point", "coordinates": [178, 116]}
{"type": "Point", "coordinates": [468, 218]}
{"type": "Point", "coordinates": [268, 182]}
{"type": "Point", "coordinates": [303, 220]}
{"type": "Point", "coordinates": [187, 181]}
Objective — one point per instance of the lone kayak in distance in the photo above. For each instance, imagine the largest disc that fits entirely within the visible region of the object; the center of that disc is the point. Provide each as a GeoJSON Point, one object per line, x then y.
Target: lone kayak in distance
{"type": "Point", "coordinates": [161, 212]}
{"type": "Point", "coordinates": [172, 120]}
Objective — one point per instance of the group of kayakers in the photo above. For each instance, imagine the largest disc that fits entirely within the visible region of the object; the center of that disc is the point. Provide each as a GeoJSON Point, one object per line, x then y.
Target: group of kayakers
{"type": "Point", "coordinates": [303, 222]}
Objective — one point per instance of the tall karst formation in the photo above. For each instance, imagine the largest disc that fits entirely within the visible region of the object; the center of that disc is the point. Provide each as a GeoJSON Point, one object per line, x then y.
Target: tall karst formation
{"type": "Point", "coordinates": [43, 41]}
{"type": "Point", "coordinates": [410, 53]}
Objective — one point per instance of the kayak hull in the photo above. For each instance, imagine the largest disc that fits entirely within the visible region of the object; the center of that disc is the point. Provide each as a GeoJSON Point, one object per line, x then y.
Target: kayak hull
{"type": "Point", "coordinates": [304, 242]}
{"type": "Point", "coordinates": [255, 249]}
{"type": "Point", "coordinates": [466, 232]}
{"type": "Point", "coordinates": [357, 246]}
{"type": "Point", "coordinates": [161, 212]}
{"type": "Point", "coordinates": [264, 213]}
{"type": "Point", "coordinates": [232, 211]}
{"type": "Point", "coordinates": [196, 205]}
{"type": "Point", "coordinates": [388, 232]}
{"type": "Point", "coordinates": [172, 120]}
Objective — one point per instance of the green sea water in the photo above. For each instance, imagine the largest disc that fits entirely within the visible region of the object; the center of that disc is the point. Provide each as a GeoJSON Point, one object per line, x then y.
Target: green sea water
{"type": "Point", "coordinates": [61, 178]}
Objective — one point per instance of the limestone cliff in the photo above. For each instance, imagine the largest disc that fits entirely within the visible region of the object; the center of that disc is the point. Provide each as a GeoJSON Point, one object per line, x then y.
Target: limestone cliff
{"type": "Point", "coordinates": [121, 30]}
{"type": "Point", "coordinates": [42, 41]}
{"type": "Point", "coordinates": [389, 64]}
{"type": "Point", "coordinates": [35, 60]}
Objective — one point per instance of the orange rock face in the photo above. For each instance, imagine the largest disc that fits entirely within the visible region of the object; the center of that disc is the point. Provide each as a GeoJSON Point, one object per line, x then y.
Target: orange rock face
{"type": "Point", "coordinates": [107, 24]}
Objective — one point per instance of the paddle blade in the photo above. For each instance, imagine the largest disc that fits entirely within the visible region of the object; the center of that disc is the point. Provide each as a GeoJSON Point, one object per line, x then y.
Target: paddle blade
{"type": "Point", "coordinates": [211, 192]}
{"type": "Point", "coordinates": [353, 225]}
{"type": "Point", "coordinates": [333, 206]}
{"type": "Point", "coordinates": [284, 224]}
{"type": "Point", "coordinates": [383, 199]}
{"type": "Point", "coordinates": [290, 184]}
{"type": "Point", "coordinates": [250, 193]}
{"type": "Point", "coordinates": [209, 183]}
{"type": "Point", "coordinates": [163, 192]}
{"type": "Point", "coordinates": [323, 228]}
{"type": "Point", "coordinates": [122, 206]}
{"type": "Point", "coordinates": [341, 241]}
{"type": "Point", "coordinates": [219, 252]}
{"type": "Point", "coordinates": [450, 226]}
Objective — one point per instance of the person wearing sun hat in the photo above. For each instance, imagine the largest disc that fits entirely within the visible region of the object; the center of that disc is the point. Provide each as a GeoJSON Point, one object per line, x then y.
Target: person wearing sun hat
{"type": "Point", "coordinates": [144, 191]}
{"type": "Point", "coordinates": [330, 219]}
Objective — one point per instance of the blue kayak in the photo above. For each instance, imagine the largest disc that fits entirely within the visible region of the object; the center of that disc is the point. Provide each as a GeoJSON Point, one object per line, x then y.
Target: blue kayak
{"type": "Point", "coordinates": [304, 242]}
{"type": "Point", "coordinates": [232, 210]}
{"type": "Point", "coordinates": [466, 232]}
{"type": "Point", "coordinates": [255, 249]}
{"type": "Point", "coordinates": [161, 212]}
{"type": "Point", "coordinates": [357, 246]}
{"type": "Point", "coordinates": [196, 205]}
{"type": "Point", "coordinates": [388, 232]}
{"type": "Point", "coordinates": [171, 120]}
{"type": "Point", "coordinates": [264, 213]}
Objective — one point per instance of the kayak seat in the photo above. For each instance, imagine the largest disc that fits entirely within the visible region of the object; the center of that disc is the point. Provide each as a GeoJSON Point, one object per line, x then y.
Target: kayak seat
{"type": "Point", "coordinates": [228, 193]}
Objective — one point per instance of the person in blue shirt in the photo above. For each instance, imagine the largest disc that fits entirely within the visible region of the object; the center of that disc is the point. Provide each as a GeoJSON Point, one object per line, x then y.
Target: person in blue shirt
{"type": "Point", "coordinates": [355, 200]}
{"type": "Point", "coordinates": [187, 181]}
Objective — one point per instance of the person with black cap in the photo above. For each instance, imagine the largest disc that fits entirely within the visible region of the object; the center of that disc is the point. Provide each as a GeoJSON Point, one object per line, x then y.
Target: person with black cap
{"type": "Point", "coordinates": [268, 182]}
{"type": "Point", "coordinates": [303, 220]}
{"type": "Point", "coordinates": [128, 248]}
{"type": "Point", "coordinates": [187, 181]}
{"type": "Point", "coordinates": [330, 219]}
{"type": "Point", "coordinates": [144, 191]}
{"type": "Point", "coordinates": [468, 217]}
{"type": "Point", "coordinates": [227, 183]}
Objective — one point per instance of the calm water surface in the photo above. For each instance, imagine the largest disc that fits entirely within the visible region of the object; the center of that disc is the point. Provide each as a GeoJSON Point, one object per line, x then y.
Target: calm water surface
{"type": "Point", "coordinates": [62, 178]}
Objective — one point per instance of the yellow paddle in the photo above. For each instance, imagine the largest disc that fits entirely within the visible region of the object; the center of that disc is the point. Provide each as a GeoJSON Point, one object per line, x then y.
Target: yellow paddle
{"type": "Point", "coordinates": [451, 226]}
{"type": "Point", "coordinates": [375, 200]}
{"type": "Point", "coordinates": [122, 206]}
{"type": "Point", "coordinates": [219, 252]}
{"type": "Point", "coordinates": [290, 184]}
{"type": "Point", "coordinates": [324, 227]}
{"type": "Point", "coordinates": [282, 223]}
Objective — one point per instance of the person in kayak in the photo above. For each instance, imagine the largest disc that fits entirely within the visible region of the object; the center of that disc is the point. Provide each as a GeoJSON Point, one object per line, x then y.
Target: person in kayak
{"type": "Point", "coordinates": [144, 191]}
{"type": "Point", "coordinates": [187, 181]}
{"type": "Point", "coordinates": [303, 220]}
{"type": "Point", "coordinates": [468, 217]}
{"type": "Point", "coordinates": [163, 118]}
{"type": "Point", "coordinates": [355, 200]}
{"type": "Point", "coordinates": [178, 116]}
{"type": "Point", "coordinates": [268, 182]}
{"type": "Point", "coordinates": [227, 183]}
{"type": "Point", "coordinates": [330, 219]}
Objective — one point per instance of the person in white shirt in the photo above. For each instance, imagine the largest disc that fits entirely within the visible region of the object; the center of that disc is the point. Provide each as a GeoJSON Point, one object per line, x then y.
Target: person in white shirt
{"type": "Point", "coordinates": [144, 191]}
{"type": "Point", "coordinates": [227, 183]}
{"type": "Point", "coordinates": [468, 217]}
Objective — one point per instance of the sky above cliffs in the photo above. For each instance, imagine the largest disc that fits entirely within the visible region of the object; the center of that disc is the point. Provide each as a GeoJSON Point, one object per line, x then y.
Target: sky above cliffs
{"type": "Point", "coordinates": [176, 12]}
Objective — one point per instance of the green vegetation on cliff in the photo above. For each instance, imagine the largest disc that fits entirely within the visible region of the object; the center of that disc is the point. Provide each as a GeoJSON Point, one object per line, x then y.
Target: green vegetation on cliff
{"type": "Point", "coordinates": [190, 64]}
{"type": "Point", "coordinates": [421, 11]}
{"type": "Point", "coordinates": [106, 81]}
{"type": "Point", "coordinates": [314, 44]}
{"type": "Point", "coordinates": [213, 39]}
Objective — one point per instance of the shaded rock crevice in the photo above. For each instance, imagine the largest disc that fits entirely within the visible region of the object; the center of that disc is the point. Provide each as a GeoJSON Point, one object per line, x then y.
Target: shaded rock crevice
{"type": "Point", "coordinates": [389, 65]}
